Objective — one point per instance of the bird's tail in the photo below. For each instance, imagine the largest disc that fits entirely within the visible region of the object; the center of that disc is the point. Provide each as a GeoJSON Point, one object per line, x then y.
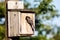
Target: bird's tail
{"type": "Point", "coordinates": [33, 29]}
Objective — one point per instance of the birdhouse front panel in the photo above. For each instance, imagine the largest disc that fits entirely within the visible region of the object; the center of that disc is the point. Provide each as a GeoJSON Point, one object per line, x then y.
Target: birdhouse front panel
{"type": "Point", "coordinates": [27, 25]}
{"type": "Point", "coordinates": [13, 23]}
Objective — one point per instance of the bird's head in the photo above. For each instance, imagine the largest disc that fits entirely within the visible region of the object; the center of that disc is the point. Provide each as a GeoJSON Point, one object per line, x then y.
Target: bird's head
{"type": "Point", "coordinates": [27, 18]}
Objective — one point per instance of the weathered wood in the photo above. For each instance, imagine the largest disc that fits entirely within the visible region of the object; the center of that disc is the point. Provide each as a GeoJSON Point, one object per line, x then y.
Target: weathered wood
{"type": "Point", "coordinates": [25, 27]}
{"type": "Point", "coordinates": [6, 22]}
{"type": "Point", "coordinates": [13, 23]}
{"type": "Point", "coordinates": [17, 24]}
{"type": "Point", "coordinates": [15, 5]}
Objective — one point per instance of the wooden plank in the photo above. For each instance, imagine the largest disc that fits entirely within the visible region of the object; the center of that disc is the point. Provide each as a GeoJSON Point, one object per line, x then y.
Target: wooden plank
{"type": "Point", "coordinates": [6, 23]}
{"type": "Point", "coordinates": [15, 5]}
{"type": "Point", "coordinates": [25, 28]}
{"type": "Point", "coordinates": [13, 23]}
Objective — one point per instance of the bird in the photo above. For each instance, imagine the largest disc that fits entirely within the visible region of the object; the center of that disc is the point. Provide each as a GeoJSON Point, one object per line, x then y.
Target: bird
{"type": "Point", "coordinates": [30, 22]}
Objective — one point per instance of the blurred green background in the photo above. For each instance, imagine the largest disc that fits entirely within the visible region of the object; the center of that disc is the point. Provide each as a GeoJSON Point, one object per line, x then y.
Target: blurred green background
{"type": "Point", "coordinates": [45, 12]}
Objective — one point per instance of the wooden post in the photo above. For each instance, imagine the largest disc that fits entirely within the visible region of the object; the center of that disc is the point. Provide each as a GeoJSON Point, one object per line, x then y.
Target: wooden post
{"type": "Point", "coordinates": [6, 35]}
{"type": "Point", "coordinates": [6, 24]}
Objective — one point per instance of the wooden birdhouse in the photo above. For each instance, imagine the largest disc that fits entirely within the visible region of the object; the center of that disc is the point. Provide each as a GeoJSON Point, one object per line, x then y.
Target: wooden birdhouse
{"type": "Point", "coordinates": [21, 22]}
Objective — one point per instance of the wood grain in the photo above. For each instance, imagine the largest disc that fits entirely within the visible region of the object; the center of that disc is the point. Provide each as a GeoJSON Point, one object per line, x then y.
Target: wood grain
{"type": "Point", "coordinates": [13, 23]}
{"type": "Point", "coordinates": [25, 27]}
{"type": "Point", "coordinates": [15, 5]}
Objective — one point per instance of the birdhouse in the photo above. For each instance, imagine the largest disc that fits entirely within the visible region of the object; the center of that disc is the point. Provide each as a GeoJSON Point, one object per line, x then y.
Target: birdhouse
{"type": "Point", "coordinates": [21, 22]}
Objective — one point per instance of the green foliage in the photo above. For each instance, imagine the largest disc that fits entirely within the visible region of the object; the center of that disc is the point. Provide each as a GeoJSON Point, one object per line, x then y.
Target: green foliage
{"type": "Point", "coordinates": [57, 37]}
{"type": "Point", "coordinates": [33, 38]}
{"type": "Point", "coordinates": [45, 6]}
{"type": "Point", "coordinates": [2, 9]}
{"type": "Point", "coordinates": [2, 32]}
{"type": "Point", "coordinates": [26, 4]}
